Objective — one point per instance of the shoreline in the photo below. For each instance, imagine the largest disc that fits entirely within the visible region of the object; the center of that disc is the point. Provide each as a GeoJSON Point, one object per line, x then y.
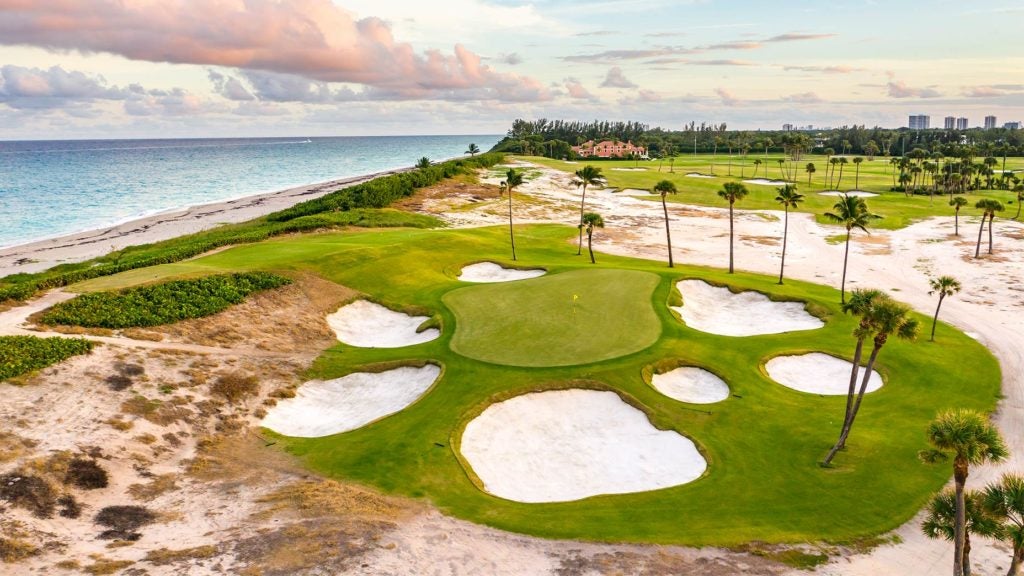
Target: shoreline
{"type": "Point", "coordinates": [38, 255]}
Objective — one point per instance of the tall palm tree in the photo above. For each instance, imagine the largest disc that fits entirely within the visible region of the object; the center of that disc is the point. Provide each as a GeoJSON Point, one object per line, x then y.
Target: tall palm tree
{"type": "Point", "coordinates": [591, 220]}
{"type": "Point", "coordinates": [757, 162]}
{"type": "Point", "coordinates": [588, 175]}
{"type": "Point", "coordinates": [664, 188]}
{"type": "Point", "coordinates": [943, 286]}
{"type": "Point", "coordinates": [423, 162]}
{"type": "Point", "coordinates": [842, 162]}
{"type": "Point", "coordinates": [789, 198]}
{"type": "Point", "coordinates": [810, 169]}
{"type": "Point", "coordinates": [856, 182]}
{"type": "Point", "coordinates": [833, 163]}
{"type": "Point", "coordinates": [1005, 500]}
{"type": "Point", "coordinates": [885, 318]}
{"type": "Point", "coordinates": [941, 520]}
{"type": "Point", "coordinates": [782, 174]}
{"type": "Point", "coordinates": [732, 191]}
{"type": "Point", "coordinates": [860, 303]}
{"type": "Point", "coordinates": [472, 150]}
{"type": "Point", "coordinates": [512, 179]}
{"type": "Point", "coordinates": [850, 212]}
{"type": "Point", "coordinates": [957, 203]}
{"type": "Point", "coordinates": [988, 208]}
{"type": "Point", "coordinates": [971, 439]}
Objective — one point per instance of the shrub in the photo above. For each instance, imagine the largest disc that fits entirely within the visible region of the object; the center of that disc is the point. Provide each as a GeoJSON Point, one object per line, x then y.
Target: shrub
{"type": "Point", "coordinates": [69, 507]}
{"type": "Point", "coordinates": [31, 493]}
{"type": "Point", "coordinates": [85, 474]}
{"type": "Point", "coordinates": [161, 303]}
{"type": "Point", "coordinates": [14, 550]}
{"type": "Point", "coordinates": [123, 522]}
{"type": "Point", "coordinates": [23, 354]}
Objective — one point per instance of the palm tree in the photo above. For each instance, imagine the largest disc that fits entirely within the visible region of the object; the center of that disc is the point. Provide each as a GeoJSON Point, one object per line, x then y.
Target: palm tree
{"type": "Point", "coordinates": [842, 162]}
{"type": "Point", "coordinates": [423, 162]}
{"type": "Point", "coordinates": [833, 163]}
{"type": "Point", "coordinates": [472, 150]}
{"type": "Point", "coordinates": [757, 162]}
{"type": "Point", "coordinates": [941, 520]}
{"type": "Point", "coordinates": [851, 212]}
{"type": "Point", "coordinates": [591, 221]}
{"type": "Point", "coordinates": [810, 169]}
{"type": "Point", "coordinates": [588, 175]}
{"type": "Point", "coordinates": [665, 188]}
{"type": "Point", "coordinates": [988, 208]}
{"type": "Point", "coordinates": [856, 182]}
{"type": "Point", "coordinates": [943, 286]}
{"type": "Point", "coordinates": [782, 174]}
{"type": "Point", "coordinates": [885, 318]}
{"type": "Point", "coordinates": [1019, 190]}
{"type": "Point", "coordinates": [972, 439]}
{"type": "Point", "coordinates": [957, 203]}
{"type": "Point", "coordinates": [859, 304]}
{"type": "Point", "coordinates": [789, 198]}
{"type": "Point", "coordinates": [732, 191]}
{"type": "Point", "coordinates": [512, 179]}
{"type": "Point", "coordinates": [1005, 500]}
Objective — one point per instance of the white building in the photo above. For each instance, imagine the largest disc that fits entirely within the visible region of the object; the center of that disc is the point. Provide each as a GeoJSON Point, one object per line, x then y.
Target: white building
{"type": "Point", "coordinates": [990, 122]}
{"type": "Point", "coordinates": [961, 123]}
{"type": "Point", "coordinates": [950, 123]}
{"type": "Point", "coordinates": [919, 122]}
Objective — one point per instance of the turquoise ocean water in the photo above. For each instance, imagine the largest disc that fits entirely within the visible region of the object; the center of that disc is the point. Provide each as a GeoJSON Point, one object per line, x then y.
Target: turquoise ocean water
{"type": "Point", "coordinates": [52, 188]}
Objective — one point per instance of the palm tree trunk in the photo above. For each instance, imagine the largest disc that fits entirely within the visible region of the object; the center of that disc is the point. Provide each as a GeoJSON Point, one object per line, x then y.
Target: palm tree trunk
{"type": "Point", "coordinates": [956, 221]}
{"type": "Point", "coordinates": [935, 319]}
{"type": "Point", "coordinates": [977, 249]}
{"type": "Point", "coordinates": [850, 393]}
{"type": "Point", "coordinates": [840, 181]}
{"type": "Point", "coordinates": [860, 396]}
{"type": "Point", "coordinates": [590, 245]}
{"type": "Point", "coordinates": [668, 232]}
{"type": "Point", "coordinates": [990, 220]}
{"type": "Point", "coordinates": [846, 258]}
{"type": "Point", "coordinates": [730, 238]}
{"type": "Point", "coordinates": [511, 236]}
{"type": "Point", "coordinates": [785, 237]}
{"type": "Point", "coordinates": [960, 478]}
{"type": "Point", "coordinates": [1017, 215]}
{"type": "Point", "coordinates": [1016, 561]}
{"type": "Point", "coordinates": [583, 199]}
{"type": "Point", "coordinates": [856, 180]}
{"type": "Point", "coordinates": [967, 553]}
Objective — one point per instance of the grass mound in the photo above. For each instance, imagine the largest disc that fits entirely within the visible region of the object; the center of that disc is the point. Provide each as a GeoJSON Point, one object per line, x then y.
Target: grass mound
{"type": "Point", "coordinates": [162, 303]}
{"type": "Point", "coordinates": [563, 319]}
{"type": "Point", "coordinates": [23, 354]}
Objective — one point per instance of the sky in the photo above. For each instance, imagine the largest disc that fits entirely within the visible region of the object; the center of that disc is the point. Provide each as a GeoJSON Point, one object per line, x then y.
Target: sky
{"type": "Point", "coordinates": [220, 68]}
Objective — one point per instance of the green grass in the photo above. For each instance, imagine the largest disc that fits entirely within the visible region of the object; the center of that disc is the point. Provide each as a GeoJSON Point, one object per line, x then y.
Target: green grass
{"type": "Point", "coordinates": [571, 318]}
{"type": "Point", "coordinates": [20, 355]}
{"type": "Point", "coordinates": [896, 208]}
{"type": "Point", "coordinates": [161, 303]}
{"type": "Point", "coordinates": [763, 444]}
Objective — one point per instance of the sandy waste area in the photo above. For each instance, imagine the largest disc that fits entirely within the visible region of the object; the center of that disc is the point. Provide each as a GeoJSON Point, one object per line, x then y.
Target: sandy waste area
{"type": "Point", "coordinates": [717, 310]}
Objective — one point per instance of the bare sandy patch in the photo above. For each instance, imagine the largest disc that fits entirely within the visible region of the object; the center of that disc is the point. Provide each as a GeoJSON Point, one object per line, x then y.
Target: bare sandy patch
{"type": "Point", "coordinates": [698, 175]}
{"type": "Point", "coordinates": [566, 445]}
{"type": "Point", "coordinates": [817, 373]}
{"type": "Point", "coordinates": [491, 272]}
{"type": "Point", "coordinates": [326, 407]}
{"type": "Point", "coordinates": [766, 182]}
{"type": "Point", "coordinates": [691, 384]}
{"type": "Point", "coordinates": [369, 325]}
{"type": "Point", "coordinates": [717, 310]}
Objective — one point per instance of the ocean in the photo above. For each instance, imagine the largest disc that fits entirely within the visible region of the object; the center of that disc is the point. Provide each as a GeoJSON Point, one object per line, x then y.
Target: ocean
{"type": "Point", "coordinates": [53, 188]}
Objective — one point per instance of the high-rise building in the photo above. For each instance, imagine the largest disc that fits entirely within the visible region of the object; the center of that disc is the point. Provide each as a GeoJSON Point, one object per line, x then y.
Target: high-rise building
{"type": "Point", "coordinates": [950, 123]}
{"type": "Point", "coordinates": [787, 127]}
{"type": "Point", "coordinates": [990, 122]}
{"type": "Point", "coordinates": [919, 122]}
{"type": "Point", "coordinates": [1012, 125]}
{"type": "Point", "coordinates": [961, 123]}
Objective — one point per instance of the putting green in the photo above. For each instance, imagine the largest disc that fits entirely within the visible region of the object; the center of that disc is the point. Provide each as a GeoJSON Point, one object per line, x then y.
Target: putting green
{"type": "Point", "coordinates": [564, 319]}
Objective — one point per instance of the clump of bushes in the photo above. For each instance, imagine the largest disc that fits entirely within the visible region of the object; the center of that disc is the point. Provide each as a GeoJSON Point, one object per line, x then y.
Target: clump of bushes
{"type": "Point", "coordinates": [23, 354]}
{"type": "Point", "coordinates": [28, 492]}
{"type": "Point", "coordinates": [125, 375]}
{"type": "Point", "coordinates": [235, 386]}
{"type": "Point", "coordinates": [69, 507]}
{"type": "Point", "coordinates": [86, 474]}
{"type": "Point", "coordinates": [123, 522]}
{"type": "Point", "coordinates": [161, 303]}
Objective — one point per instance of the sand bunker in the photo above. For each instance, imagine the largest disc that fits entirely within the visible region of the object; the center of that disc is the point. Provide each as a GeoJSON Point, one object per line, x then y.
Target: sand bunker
{"type": "Point", "coordinates": [691, 384]}
{"type": "Point", "coordinates": [325, 407]}
{"type": "Point", "coordinates": [817, 373]}
{"type": "Point", "coordinates": [718, 311]}
{"type": "Point", "coordinates": [571, 444]}
{"type": "Point", "coordinates": [857, 193]}
{"type": "Point", "coordinates": [698, 175]}
{"type": "Point", "coordinates": [491, 272]}
{"type": "Point", "coordinates": [764, 182]}
{"type": "Point", "coordinates": [370, 325]}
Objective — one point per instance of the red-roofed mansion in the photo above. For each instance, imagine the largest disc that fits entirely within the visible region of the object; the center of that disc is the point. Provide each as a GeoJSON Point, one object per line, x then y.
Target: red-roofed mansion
{"type": "Point", "coordinates": [609, 149]}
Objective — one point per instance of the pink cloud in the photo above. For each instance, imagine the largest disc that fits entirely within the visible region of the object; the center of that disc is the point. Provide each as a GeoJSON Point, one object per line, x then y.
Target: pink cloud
{"type": "Point", "coordinates": [576, 90]}
{"type": "Point", "coordinates": [803, 98]}
{"type": "Point", "coordinates": [899, 89]}
{"type": "Point", "coordinates": [310, 38]}
{"type": "Point", "coordinates": [728, 99]}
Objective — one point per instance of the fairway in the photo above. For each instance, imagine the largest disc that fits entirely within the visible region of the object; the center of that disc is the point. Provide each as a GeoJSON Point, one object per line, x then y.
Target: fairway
{"type": "Point", "coordinates": [564, 319]}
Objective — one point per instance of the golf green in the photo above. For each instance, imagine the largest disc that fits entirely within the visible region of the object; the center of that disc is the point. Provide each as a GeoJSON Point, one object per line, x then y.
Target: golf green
{"type": "Point", "coordinates": [566, 319]}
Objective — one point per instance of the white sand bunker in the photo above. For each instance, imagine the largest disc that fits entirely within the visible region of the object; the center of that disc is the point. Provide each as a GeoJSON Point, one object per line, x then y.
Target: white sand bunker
{"type": "Point", "coordinates": [491, 272]}
{"type": "Point", "coordinates": [717, 310]}
{"type": "Point", "coordinates": [370, 325]}
{"type": "Point", "coordinates": [570, 444]}
{"type": "Point", "coordinates": [698, 175]}
{"type": "Point", "coordinates": [325, 407]}
{"type": "Point", "coordinates": [765, 182]}
{"type": "Point", "coordinates": [817, 373]}
{"type": "Point", "coordinates": [852, 193]}
{"type": "Point", "coordinates": [691, 384]}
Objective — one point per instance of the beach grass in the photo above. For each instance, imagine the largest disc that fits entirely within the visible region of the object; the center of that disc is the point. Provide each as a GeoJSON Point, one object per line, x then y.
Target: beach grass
{"type": "Point", "coordinates": [762, 444]}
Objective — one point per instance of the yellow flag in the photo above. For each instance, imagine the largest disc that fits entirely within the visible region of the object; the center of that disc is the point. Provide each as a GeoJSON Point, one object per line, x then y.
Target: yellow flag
{"type": "Point", "coordinates": [575, 297]}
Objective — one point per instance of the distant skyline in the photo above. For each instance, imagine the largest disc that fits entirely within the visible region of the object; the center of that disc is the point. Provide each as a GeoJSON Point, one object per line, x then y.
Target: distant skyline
{"type": "Point", "coordinates": [209, 68]}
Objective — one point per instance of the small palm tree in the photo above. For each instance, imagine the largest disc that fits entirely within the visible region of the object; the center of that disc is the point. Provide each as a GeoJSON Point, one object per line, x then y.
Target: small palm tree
{"type": "Point", "coordinates": [943, 286]}
{"type": "Point", "coordinates": [941, 520]}
{"type": "Point", "coordinates": [850, 212]}
{"type": "Point", "coordinates": [732, 191]}
{"type": "Point", "coordinates": [989, 207]}
{"type": "Point", "coordinates": [842, 162]}
{"type": "Point", "coordinates": [789, 198]}
{"type": "Point", "coordinates": [833, 162]}
{"type": "Point", "coordinates": [473, 150]}
{"type": "Point", "coordinates": [757, 162]}
{"type": "Point", "coordinates": [780, 162]}
{"type": "Point", "coordinates": [588, 175]}
{"type": "Point", "coordinates": [1019, 191]}
{"type": "Point", "coordinates": [1005, 500]}
{"type": "Point", "coordinates": [810, 169]}
{"type": "Point", "coordinates": [971, 439]}
{"type": "Point", "coordinates": [423, 162]}
{"type": "Point", "coordinates": [663, 189]}
{"type": "Point", "coordinates": [591, 220]}
{"type": "Point", "coordinates": [957, 203]}
{"type": "Point", "coordinates": [856, 182]}
{"type": "Point", "coordinates": [512, 179]}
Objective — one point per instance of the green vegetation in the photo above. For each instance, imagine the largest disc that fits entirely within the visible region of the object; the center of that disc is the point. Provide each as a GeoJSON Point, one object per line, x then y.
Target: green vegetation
{"type": "Point", "coordinates": [162, 303]}
{"type": "Point", "coordinates": [764, 434]}
{"type": "Point", "coordinates": [23, 354]}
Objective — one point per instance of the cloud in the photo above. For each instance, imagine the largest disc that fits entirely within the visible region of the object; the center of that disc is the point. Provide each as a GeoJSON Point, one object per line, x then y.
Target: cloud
{"type": "Point", "coordinates": [229, 87]}
{"type": "Point", "coordinates": [26, 88]}
{"type": "Point", "coordinates": [992, 91]}
{"type": "Point", "coordinates": [720, 63]}
{"type": "Point", "coordinates": [796, 37]}
{"type": "Point", "coordinates": [728, 99]}
{"type": "Point", "coordinates": [512, 59]}
{"type": "Point", "coordinates": [597, 33]}
{"type": "Point", "coordinates": [310, 38]}
{"type": "Point", "coordinates": [838, 69]}
{"type": "Point", "coordinates": [611, 55]}
{"type": "Point", "coordinates": [648, 96]}
{"type": "Point", "coordinates": [664, 34]}
{"type": "Point", "coordinates": [899, 89]}
{"type": "Point", "coordinates": [175, 102]}
{"type": "Point", "coordinates": [576, 90]}
{"type": "Point", "coordinates": [616, 79]}
{"type": "Point", "coordinates": [803, 98]}
{"type": "Point", "coordinates": [735, 45]}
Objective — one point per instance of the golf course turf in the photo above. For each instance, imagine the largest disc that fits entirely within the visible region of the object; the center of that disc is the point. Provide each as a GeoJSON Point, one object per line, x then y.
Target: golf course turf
{"type": "Point", "coordinates": [762, 444]}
